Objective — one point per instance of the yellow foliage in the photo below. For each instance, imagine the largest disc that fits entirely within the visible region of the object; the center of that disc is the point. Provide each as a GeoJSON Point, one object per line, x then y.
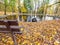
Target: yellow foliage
{"type": "Point", "coordinates": [23, 9]}
{"type": "Point", "coordinates": [56, 43]}
{"type": "Point", "coordinates": [24, 17]}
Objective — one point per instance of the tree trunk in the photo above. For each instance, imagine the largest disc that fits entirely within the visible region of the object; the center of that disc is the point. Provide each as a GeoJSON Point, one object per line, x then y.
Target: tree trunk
{"type": "Point", "coordinates": [5, 10]}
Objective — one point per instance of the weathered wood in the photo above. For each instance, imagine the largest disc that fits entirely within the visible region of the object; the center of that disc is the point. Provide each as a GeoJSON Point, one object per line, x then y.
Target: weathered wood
{"type": "Point", "coordinates": [13, 25]}
{"type": "Point", "coordinates": [4, 25]}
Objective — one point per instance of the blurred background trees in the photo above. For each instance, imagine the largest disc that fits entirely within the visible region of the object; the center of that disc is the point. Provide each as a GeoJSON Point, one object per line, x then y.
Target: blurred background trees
{"type": "Point", "coordinates": [42, 6]}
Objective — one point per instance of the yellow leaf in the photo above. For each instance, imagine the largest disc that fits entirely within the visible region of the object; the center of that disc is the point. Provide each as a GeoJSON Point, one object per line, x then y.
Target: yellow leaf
{"type": "Point", "coordinates": [23, 9]}
{"type": "Point", "coordinates": [21, 29]}
{"type": "Point", "coordinates": [56, 43]}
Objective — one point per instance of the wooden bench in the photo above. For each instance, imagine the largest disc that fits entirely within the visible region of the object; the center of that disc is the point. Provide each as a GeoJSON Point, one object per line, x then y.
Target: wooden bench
{"type": "Point", "coordinates": [13, 24]}
{"type": "Point", "coordinates": [9, 25]}
{"type": "Point", "coordinates": [4, 26]}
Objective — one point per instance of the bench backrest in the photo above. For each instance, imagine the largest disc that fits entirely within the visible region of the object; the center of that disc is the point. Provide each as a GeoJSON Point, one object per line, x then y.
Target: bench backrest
{"type": "Point", "coordinates": [13, 25]}
{"type": "Point", "coordinates": [9, 25]}
{"type": "Point", "coordinates": [4, 25]}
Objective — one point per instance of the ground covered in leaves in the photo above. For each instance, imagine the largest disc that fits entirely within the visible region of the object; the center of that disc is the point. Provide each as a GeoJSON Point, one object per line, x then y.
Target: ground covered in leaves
{"type": "Point", "coordinates": [39, 33]}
